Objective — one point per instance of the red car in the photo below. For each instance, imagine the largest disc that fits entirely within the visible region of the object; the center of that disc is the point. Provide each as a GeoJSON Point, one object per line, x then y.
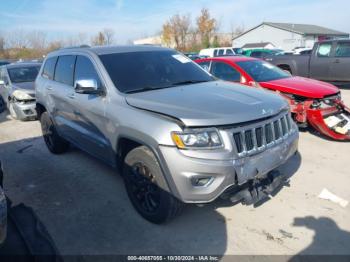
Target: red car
{"type": "Point", "coordinates": [312, 102]}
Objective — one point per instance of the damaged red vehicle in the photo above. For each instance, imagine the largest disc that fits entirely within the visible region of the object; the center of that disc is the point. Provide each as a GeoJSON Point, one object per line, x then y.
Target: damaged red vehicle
{"type": "Point", "coordinates": [312, 102]}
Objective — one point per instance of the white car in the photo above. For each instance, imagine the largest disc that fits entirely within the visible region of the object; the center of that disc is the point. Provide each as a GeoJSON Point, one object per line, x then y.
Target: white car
{"type": "Point", "coordinates": [219, 51]}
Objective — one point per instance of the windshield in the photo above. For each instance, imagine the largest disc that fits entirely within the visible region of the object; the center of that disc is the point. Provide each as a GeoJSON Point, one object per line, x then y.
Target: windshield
{"type": "Point", "coordinates": [262, 71]}
{"type": "Point", "coordinates": [142, 71]}
{"type": "Point", "coordinates": [23, 74]}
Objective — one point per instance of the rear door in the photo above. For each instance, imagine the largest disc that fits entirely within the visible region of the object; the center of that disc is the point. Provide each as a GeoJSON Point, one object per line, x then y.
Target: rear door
{"type": "Point", "coordinates": [61, 96]}
{"type": "Point", "coordinates": [89, 109]}
{"type": "Point", "coordinates": [340, 66]}
{"type": "Point", "coordinates": [320, 62]}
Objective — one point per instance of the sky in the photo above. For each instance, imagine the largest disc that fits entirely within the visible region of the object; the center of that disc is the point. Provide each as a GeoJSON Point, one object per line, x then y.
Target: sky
{"type": "Point", "coordinates": [132, 19]}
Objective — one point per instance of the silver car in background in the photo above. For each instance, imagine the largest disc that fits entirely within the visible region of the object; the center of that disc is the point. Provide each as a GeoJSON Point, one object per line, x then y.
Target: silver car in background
{"type": "Point", "coordinates": [176, 134]}
{"type": "Point", "coordinates": [17, 92]}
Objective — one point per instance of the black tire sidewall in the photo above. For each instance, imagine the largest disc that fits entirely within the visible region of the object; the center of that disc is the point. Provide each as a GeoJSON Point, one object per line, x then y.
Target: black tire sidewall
{"type": "Point", "coordinates": [167, 201]}
{"type": "Point", "coordinates": [59, 145]}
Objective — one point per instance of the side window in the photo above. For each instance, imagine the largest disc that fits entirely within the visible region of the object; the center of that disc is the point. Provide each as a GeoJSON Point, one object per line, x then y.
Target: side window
{"type": "Point", "coordinates": [324, 50]}
{"type": "Point", "coordinates": [85, 70]}
{"type": "Point", "coordinates": [221, 52]}
{"type": "Point", "coordinates": [229, 52]}
{"type": "Point", "coordinates": [215, 52]}
{"type": "Point", "coordinates": [256, 54]}
{"type": "Point", "coordinates": [64, 69]}
{"type": "Point", "coordinates": [205, 65]}
{"type": "Point", "coordinates": [225, 72]}
{"type": "Point", "coordinates": [342, 49]}
{"type": "Point", "coordinates": [49, 68]}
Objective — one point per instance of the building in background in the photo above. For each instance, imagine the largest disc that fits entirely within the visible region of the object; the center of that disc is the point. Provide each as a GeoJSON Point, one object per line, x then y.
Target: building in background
{"type": "Point", "coordinates": [286, 36]}
{"type": "Point", "coordinates": [261, 45]}
{"type": "Point", "coordinates": [152, 40]}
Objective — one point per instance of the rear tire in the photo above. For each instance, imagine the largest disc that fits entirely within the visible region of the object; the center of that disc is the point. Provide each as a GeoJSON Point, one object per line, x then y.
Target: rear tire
{"type": "Point", "coordinates": [145, 185]}
{"type": "Point", "coordinates": [53, 141]}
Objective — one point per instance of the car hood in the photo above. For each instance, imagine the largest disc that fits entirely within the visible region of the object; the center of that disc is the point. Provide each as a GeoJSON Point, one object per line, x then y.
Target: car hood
{"type": "Point", "coordinates": [302, 87]}
{"type": "Point", "coordinates": [210, 103]}
{"type": "Point", "coordinates": [27, 87]}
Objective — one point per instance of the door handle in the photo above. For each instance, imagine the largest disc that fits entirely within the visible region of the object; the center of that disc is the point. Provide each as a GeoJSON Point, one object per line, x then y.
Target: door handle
{"type": "Point", "coordinates": [71, 96]}
{"type": "Point", "coordinates": [336, 61]}
{"type": "Point", "coordinates": [49, 87]}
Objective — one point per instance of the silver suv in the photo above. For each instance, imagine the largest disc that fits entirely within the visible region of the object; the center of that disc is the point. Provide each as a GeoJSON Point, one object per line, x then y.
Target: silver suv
{"type": "Point", "coordinates": [175, 133]}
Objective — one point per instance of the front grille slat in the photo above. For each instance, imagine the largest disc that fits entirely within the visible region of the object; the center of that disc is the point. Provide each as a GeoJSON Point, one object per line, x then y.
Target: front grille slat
{"type": "Point", "coordinates": [238, 142]}
{"type": "Point", "coordinates": [268, 133]}
{"type": "Point", "coordinates": [256, 138]}
{"type": "Point", "coordinates": [276, 128]}
{"type": "Point", "coordinates": [259, 136]}
{"type": "Point", "coordinates": [284, 126]}
{"type": "Point", "coordinates": [248, 135]}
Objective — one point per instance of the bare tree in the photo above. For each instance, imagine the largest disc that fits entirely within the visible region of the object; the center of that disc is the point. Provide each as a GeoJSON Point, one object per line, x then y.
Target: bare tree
{"type": "Point", "coordinates": [17, 39]}
{"type": "Point", "coordinates": [37, 40]}
{"type": "Point", "coordinates": [53, 45]}
{"type": "Point", "coordinates": [109, 35]}
{"type": "Point", "coordinates": [82, 38]}
{"type": "Point", "coordinates": [176, 31]}
{"type": "Point", "coordinates": [99, 39]}
{"type": "Point", "coordinates": [2, 44]}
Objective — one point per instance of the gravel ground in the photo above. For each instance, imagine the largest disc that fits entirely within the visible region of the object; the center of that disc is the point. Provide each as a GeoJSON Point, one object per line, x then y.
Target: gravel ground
{"type": "Point", "coordinates": [85, 208]}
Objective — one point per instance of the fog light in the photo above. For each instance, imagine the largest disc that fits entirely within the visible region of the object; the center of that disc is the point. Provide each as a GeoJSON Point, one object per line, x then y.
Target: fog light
{"type": "Point", "coordinates": [201, 181]}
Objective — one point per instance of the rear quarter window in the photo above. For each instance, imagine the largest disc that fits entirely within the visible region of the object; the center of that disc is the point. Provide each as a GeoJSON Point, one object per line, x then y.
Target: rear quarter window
{"type": "Point", "coordinates": [49, 68]}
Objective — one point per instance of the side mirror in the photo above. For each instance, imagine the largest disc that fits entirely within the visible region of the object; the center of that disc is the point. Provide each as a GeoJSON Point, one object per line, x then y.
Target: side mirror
{"type": "Point", "coordinates": [87, 86]}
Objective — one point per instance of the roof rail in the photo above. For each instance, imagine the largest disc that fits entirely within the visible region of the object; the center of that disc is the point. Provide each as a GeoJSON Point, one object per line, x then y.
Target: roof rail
{"type": "Point", "coordinates": [73, 47]}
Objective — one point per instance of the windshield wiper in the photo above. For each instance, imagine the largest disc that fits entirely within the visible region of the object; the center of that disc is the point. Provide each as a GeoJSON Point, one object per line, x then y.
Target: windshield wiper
{"type": "Point", "coordinates": [188, 82]}
{"type": "Point", "coordinates": [149, 88]}
{"type": "Point", "coordinates": [146, 88]}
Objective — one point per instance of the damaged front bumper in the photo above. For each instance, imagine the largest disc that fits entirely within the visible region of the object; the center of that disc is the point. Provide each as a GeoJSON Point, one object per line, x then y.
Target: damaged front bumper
{"type": "Point", "coordinates": [329, 116]}
{"type": "Point", "coordinates": [333, 122]}
{"type": "Point", "coordinates": [25, 109]}
{"type": "Point", "coordinates": [180, 170]}
{"type": "Point", "coordinates": [256, 191]}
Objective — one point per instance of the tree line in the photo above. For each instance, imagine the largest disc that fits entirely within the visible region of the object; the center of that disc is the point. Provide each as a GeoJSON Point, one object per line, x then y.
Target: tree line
{"type": "Point", "coordinates": [19, 44]}
{"type": "Point", "coordinates": [181, 33]}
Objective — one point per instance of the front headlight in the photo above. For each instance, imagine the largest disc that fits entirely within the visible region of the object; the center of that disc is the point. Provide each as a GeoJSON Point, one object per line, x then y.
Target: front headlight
{"type": "Point", "coordinates": [197, 139]}
{"type": "Point", "coordinates": [20, 95]}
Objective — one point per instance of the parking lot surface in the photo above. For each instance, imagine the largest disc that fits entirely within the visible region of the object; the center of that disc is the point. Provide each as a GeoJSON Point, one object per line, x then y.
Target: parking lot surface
{"type": "Point", "coordinates": [84, 205]}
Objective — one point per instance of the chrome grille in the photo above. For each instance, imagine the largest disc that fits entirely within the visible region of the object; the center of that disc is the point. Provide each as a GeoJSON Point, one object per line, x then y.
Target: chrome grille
{"type": "Point", "coordinates": [255, 138]}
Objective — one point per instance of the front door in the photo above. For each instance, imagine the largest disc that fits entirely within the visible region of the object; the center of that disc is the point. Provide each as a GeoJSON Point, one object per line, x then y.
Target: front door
{"type": "Point", "coordinates": [89, 111]}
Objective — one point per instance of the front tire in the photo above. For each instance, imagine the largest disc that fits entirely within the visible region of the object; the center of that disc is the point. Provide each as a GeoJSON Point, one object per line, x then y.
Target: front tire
{"type": "Point", "coordinates": [53, 141]}
{"type": "Point", "coordinates": [145, 185]}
